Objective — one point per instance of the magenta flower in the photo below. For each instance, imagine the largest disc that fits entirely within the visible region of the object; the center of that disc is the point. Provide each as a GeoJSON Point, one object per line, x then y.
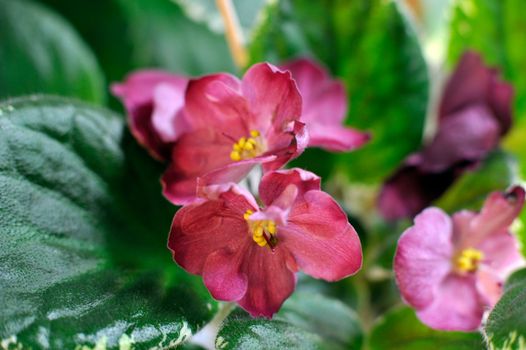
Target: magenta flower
{"type": "Point", "coordinates": [154, 101]}
{"type": "Point", "coordinates": [324, 108]}
{"type": "Point", "coordinates": [235, 125]}
{"type": "Point", "coordinates": [250, 254]}
{"type": "Point", "coordinates": [475, 113]}
{"type": "Point", "coordinates": [452, 269]}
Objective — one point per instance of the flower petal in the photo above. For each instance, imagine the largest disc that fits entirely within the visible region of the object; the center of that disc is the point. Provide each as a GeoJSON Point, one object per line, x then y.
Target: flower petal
{"type": "Point", "coordinates": [489, 285]}
{"type": "Point", "coordinates": [501, 253]}
{"type": "Point", "coordinates": [233, 171]}
{"type": "Point", "coordinates": [324, 99]}
{"type": "Point", "coordinates": [272, 96]}
{"type": "Point", "coordinates": [468, 135]}
{"type": "Point", "coordinates": [168, 118]}
{"type": "Point", "coordinates": [154, 121]}
{"type": "Point", "coordinates": [321, 239]}
{"type": "Point", "coordinates": [498, 213]}
{"type": "Point", "coordinates": [271, 280]}
{"type": "Point", "coordinates": [200, 229]}
{"type": "Point", "coordinates": [474, 83]}
{"type": "Point", "coordinates": [222, 273]}
{"type": "Point", "coordinates": [215, 101]}
{"type": "Point", "coordinates": [286, 145]}
{"type": "Point", "coordinates": [336, 138]}
{"type": "Point", "coordinates": [456, 306]}
{"type": "Point", "coordinates": [274, 183]}
{"type": "Point", "coordinates": [422, 258]}
{"type": "Point", "coordinates": [195, 154]}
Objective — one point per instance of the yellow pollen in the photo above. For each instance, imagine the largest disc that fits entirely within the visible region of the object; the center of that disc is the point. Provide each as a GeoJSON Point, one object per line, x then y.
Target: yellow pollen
{"type": "Point", "coordinates": [246, 148]}
{"type": "Point", "coordinates": [469, 260]}
{"type": "Point", "coordinates": [263, 231]}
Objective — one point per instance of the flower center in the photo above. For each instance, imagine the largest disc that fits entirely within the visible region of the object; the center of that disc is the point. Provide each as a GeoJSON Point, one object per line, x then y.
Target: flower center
{"type": "Point", "coordinates": [263, 231]}
{"type": "Point", "coordinates": [468, 260]}
{"type": "Point", "coordinates": [247, 147]}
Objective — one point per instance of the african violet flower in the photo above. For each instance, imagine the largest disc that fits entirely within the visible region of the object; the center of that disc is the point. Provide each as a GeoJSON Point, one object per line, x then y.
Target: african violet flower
{"type": "Point", "coordinates": [475, 113]}
{"type": "Point", "coordinates": [451, 269]}
{"type": "Point", "coordinates": [249, 254]}
{"type": "Point", "coordinates": [235, 125]}
{"type": "Point", "coordinates": [154, 101]}
{"type": "Point", "coordinates": [324, 107]}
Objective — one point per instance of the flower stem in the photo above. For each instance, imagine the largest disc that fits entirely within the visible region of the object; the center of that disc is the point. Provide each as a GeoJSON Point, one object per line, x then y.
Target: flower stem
{"type": "Point", "coordinates": [206, 337]}
{"type": "Point", "coordinates": [233, 33]}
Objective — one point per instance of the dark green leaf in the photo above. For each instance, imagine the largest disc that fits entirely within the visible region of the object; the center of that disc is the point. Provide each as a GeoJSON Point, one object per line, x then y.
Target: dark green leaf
{"type": "Point", "coordinates": [306, 321]}
{"type": "Point", "coordinates": [106, 29]}
{"type": "Point", "coordinates": [506, 326]}
{"type": "Point", "coordinates": [164, 37]}
{"type": "Point", "coordinates": [496, 173]}
{"type": "Point", "coordinates": [40, 52]}
{"type": "Point", "coordinates": [83, 232]}
{"type": "Point", "coordinates": [372, 48]}
{"type": "Point", "coordinates": [400, 329]}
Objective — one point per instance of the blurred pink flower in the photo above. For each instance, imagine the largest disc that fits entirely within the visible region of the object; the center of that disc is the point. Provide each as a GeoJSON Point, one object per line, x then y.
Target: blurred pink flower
{"type": "Point", "coordinates": [250, 254]}
{"type": "Point", "coordinates": [452, 269]}
{"type": "Point", "coordinates": [154, 103]}
{"type": "Point", "coordinates": [475, 112]}
{"type": "Point", "coordinates": [324, 107]}
{"type": "Point", "coordinates": [235, 125]}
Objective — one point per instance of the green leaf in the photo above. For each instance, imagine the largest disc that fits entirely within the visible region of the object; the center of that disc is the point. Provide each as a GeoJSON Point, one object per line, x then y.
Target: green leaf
{"type": "Point", "coordinates": [496, 29]}
{"type": "Point", "coordinates": [164, 37]}
{"type": "Point", "coordinates": [496, 173]}
{"type": "Point", "coordinates": [40, 52]}
{"type": "Point", "coordinates": [83, 232]}
{"type": "Point", "coordinates": [400, 329]}
{"type": "Point", "coordinates": [105, 28]}
{"type": "Point", "coordinates": [372, 48]}
{"type": "Point", "coordinates": [506, 325]}
{"type": "Point", "coordinates": [306, 321]}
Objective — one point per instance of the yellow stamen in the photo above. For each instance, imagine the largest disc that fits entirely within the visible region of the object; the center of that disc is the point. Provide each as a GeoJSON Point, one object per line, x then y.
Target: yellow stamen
{"type": "Point", "coordinates": [468, 260]}
{"type": "Point", "coordinates": [246, 148]}
{"type": "Point", "coordinates": [263, 231]}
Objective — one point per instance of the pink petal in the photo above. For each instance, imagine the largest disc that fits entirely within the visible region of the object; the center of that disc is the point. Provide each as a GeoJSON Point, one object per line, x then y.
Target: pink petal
{"type": "Point", "coordinates": [456, 306]}
{"type": "Point", "coordinates": [272, 96]}
{"type": "Point", "coordinates": [138, 87]}
{"type": "Point", "coordinates": [271, 280]}
{"type": "Point", "coordinates": [233, 171]}
{"type": "Point", "coordinates": [222, 273]}
{"type": "Point", "coordinates": [324, 99]}
{"type": "Point", "coordinates": [336, 138]}
{"type": "Point", "coordinates": [467, 135]}
{"type": "Point", "coordinates": [321, 239]}
{"type": "Point", "coordinates": [168, 118]}
{"type": "Point", "coordinates": [200, 229]}
{"type": "Point", "coordinates": [498, 213]}
{"type": "Point", "coordinates": [155, 122]}
{"type": "Point", "coordinates": [195, 154]}
{"type": "Point", "coordinates": [489, 285]}
{"type": "Point", "coordinates": [274, 183]}
{"type": "Point", "coordinates": [215, 101]}
{"type": "Point", "coordinates": [474, 83]}
{"type": "Point", "coordinates": [286, 145]}
{"type": "Point", "coordinates": [501, 253]}
{"type": "Point", "coordinates": [422, 258]}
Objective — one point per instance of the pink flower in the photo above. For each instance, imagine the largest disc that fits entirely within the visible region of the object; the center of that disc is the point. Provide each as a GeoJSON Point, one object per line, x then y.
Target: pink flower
{"type": "Point", "coordinates": [235, 125]}
{"type": "Point", "coordinates": [250, 254]}
{"type": "Point", "coordinates": [324, 108]}
{"type": "Point", "coordinates": [452, 269]}
{"type": "Point", "coordinates": [475, 112]}
{"type": "Point", "coordinates": [154, 101]}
